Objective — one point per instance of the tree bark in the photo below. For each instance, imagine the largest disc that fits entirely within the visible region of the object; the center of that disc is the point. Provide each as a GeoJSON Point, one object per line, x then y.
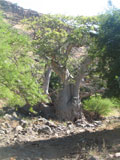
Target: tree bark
{"type": "Point", "coordinates": [68, 105]}
{"type": "Point", "coordinates": [48, 71]}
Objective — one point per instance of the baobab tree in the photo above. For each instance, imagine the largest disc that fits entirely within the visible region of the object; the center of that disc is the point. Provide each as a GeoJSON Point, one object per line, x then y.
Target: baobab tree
{"type": "Point", "coordinates": [55, 37]}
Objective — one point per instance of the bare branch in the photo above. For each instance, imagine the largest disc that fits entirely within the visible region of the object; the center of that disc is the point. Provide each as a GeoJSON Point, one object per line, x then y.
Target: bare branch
{"type": "Point", "coordinates": [81, 72]}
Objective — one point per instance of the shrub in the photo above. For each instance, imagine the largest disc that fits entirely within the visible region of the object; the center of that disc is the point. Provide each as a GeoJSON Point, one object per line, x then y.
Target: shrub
{"type": "Point", "coordinates": [98, 105]}
{"type": "Point", "coordinates": [106, 50]}
{"type": "Point", "coordinates": [18, 85]}
{"type": "Point", "coordinates": [116, 102]}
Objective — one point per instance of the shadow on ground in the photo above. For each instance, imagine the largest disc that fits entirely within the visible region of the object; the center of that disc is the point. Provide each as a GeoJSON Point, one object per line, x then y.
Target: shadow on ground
{"type": "Point", "coordinates": [59, 147]}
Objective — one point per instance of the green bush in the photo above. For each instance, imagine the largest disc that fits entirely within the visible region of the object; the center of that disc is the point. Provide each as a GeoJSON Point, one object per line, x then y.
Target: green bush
{"type": "Point", "coordinates": [18, 85]}
{"type": "Point", "coordinates": [98, 105]}
{"type": "Point", "coordinates": [116, 102]}
{"type": "Point", "coordinates": [106, 51]}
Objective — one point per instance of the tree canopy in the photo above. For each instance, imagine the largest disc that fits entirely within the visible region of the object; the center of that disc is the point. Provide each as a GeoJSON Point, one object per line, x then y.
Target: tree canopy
{"type": "Point", "coordinates": [107, 49]}
{"type": "Point", "coordinates": [55, 36]}
{"type": "Point", "coordinates": [17, 83]}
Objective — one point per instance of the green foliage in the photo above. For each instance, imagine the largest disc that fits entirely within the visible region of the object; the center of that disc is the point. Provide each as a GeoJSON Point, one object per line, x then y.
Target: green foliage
{"type": "Point", "coordinates": [17, 84]}
{"type": "Point", "coordinates": [54, 86]}
{"type": "Point", "coordinates": [107, 50]}
{"type": "Point", "coordinates": [99, 105]}
{"type": "Point", "coordinates": [55, 82]}
{"type": "Point", "coordinates": [116, 102]}
{"type": "Point", "coordinates": [56, 35]}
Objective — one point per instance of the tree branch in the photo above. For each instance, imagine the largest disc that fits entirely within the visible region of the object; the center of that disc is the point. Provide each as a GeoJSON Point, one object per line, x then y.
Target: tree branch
{"type": "Point", "coordinates": [81, 72]}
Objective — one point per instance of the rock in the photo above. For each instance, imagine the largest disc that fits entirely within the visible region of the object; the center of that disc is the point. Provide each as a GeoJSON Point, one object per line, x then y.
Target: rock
{"type": "Point", "coordinates": [94, 158]}
{"type": "Point", "coordinates": [3, 125]}
{"type": "Point", "coordinates": [29, 130]}
{"type": "Point", "coordinates": [11, 117]}
{"type": "Point", "coordinates": [111, 155]}
{"type": "Point", "coordinates": [82, 130]}
{"type": "Point", "coordinates": [15, 115]}
{"type": "Point", "coordinates": [117, 154]}
{"type": "Point", "coordinates": [23, 123]}
{"type": "Point", "coordinates": [45, 129]}
{"type": "Point", "coordinates": [56, 135]}
{"type": "Point", "coordinates": [41, 119]}
{"type": "Point", "coordinates": [98, 122]}
{"type": "Point", "coordinates": [24, 132]}
{"type": "Point", "coordinates": [90, 125]}
{"type": "Point", "coordinates": [19, 128]}
{"type": "Point", "coordinates": [6, 131]}
{"type": "Point", "coordinates": [8, 142]}
{"type": "Point", "coordinates": [80, 125]}
{"type": "Point", "coordinates": [71, 126]}
{"type": "Point", "coordinates": [68, 132]}
{"type": "Point", "coordinates": [51, 124]}
{"type": "Point", "coordinates": [79, 121]}
{"type": "Point", "coordinates": [8, 117]}
{"type": "Point", "coordinates": [61, 128]}
{"type": "Point", "coordinates": [69, 123]}
{"type": "Point", "coordinates": [7, 125]}
{"type": "Point", "coordinates": [2, 132]}
{"type": "Point", "coordinates": [36, 127]}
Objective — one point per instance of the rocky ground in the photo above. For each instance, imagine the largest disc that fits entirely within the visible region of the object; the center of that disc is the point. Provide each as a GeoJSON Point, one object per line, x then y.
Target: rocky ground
{"type": "Point", "coordinates": [37, 138]}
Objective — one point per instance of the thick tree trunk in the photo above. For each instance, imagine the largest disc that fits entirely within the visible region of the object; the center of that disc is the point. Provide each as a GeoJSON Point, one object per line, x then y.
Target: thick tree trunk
{"type": "Point", "coordinates": [47, 76]}
{"type": "Point", "coordinates": [68, 105]}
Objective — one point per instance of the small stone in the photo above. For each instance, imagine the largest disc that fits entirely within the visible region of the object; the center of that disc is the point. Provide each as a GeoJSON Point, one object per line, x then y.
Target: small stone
{"type": "Point", "coordinates": [7, 125]}
{"type": "Point", "coordinates": [41, 119]}
{"type": "Point", "coordinates": [98, 122]}
{"type": "Point", "coordinates": [60, 128]}
{"type": "Point", "coordinates": [6, 131]}
{"type": "Point", "coordinates": [15, 136]}
{"type": "Point", "coordinates": [68, 132]}
{"type": "Point", "coordinates": [56, 135]}
{"type": "Point", "coordinates": [80, 125]}
{"type": "Point", "coordinates": [19, 128]}
{"type": "Point", "coordinates": [23, 123]}
{"type": "Point", "coordinates": [94, 158]}
{"type": "Point", "coordinates": [8, 142]}
{"type": "Point", "coordinates": [36, 127]}
{"type": "Point", "coordinates": [2, 132]}
{"type": "Point", "coordinates": [82, 130]}
{"type": "Point", "coordinates": [69, 123]}
{"type": "Point", "coordinates": [45, 129]}
{"type": "Point", "coordinates": [79, 121]}
{"type": "Point", "coordinates": [30, 130]}
{"type": "Point", "coordinates": [71, 126]}
{"type": "Point", "coordinates": [7, 116]}
{"type": "Point", "coordinates": [117, 154]}
{"type": "Point", "coordinates": [111, 155]}
{"type": "Point", "coordinates": [15, 115]}
{"type": "Point", "coordinates": [90, 125]}
{"type": "Point", "coordinates": [51, 124]}
{"type": "Point", "coordinates": [3, 125]}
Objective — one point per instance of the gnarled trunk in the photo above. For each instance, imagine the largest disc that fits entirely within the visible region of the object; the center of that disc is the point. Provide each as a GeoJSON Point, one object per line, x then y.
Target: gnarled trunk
{"type": "Point", "coordinates": [68, 105]}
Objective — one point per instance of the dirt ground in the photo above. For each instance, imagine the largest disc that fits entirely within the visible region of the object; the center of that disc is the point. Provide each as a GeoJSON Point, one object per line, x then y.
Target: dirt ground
{"type": "Point", "coordinates": [77, 143]}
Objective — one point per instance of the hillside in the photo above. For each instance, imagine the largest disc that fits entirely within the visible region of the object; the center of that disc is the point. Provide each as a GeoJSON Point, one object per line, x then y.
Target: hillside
{"type": "Point", "coordinates": [14, 13]}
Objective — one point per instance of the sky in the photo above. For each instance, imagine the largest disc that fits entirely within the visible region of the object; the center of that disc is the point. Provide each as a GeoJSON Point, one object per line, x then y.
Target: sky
{"type": "Point", "coordinates": [67, 7]}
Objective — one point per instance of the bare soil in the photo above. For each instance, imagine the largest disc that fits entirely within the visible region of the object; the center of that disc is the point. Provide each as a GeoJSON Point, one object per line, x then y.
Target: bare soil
{"type": "Point", "coordinates": [62, 141]}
